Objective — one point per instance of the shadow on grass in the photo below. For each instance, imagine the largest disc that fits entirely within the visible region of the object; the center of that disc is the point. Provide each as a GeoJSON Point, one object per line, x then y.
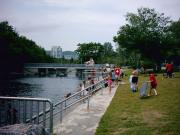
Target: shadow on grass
{"type": "Point", "coordinates": [146, 97]}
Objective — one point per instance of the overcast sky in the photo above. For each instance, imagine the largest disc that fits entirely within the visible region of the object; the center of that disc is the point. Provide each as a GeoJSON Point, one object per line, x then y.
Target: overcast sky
{"type": "Point", "coordinates": [66, 23]}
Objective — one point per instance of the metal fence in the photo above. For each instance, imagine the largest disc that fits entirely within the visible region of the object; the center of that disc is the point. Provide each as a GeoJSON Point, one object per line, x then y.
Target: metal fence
{"type": "Point", "coordinates": [42, 111]}
{"type": "Point", "coordinates": [78, 97]}
{"type": "Point", "coordinates": [26, 110]}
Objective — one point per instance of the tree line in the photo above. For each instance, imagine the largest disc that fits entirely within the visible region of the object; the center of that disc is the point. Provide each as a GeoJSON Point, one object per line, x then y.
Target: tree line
{"type": "Point", "coordinates": [149, 38]}
{"type": "Point", "coordinates": [15, 50]}
{"type": "Point", "coordinates": [150, 35]}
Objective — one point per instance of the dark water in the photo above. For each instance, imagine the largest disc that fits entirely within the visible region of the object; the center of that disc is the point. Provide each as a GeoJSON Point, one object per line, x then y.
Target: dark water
{"type": "Point", "coordinates": [53, 88]}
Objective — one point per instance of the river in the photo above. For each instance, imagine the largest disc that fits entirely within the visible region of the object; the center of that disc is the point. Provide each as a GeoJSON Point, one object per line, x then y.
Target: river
{"type": "Point", "coordinates": [52, 87]}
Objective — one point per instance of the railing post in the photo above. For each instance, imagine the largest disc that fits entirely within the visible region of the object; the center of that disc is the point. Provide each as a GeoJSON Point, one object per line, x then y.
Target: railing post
{"type": "Point", "coordinates": [27, 107]}
{"type": "Point", "coordinates": [24, 111]}
{"type": "Point", "coordinates": [0, 118]}
{"type": "Point", "coordinates": [31, 110]}
{"type": "Point", "coordinates": [65, 104]}
{"type": "Point", "coordinates": [88, 98]}
{"type": "Point", "coordinates": [19, 111]}
{"type": "Point", "coordinates": [44, 114]}
{"type": "Point", "coordinates": [37, 112]}
{"type": "Point", "coordinates": [61, 111]}
{"type": "Point", "coordinates": [83, 92]}
{"type": "Point", "coordinates": [51, 117]}
{"type": "Point", "coordinates": [102, 88]}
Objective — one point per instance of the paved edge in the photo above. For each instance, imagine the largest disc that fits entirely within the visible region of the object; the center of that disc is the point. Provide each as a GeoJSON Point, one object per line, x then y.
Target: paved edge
{"type": "Point", "coordinates": [82, 121]}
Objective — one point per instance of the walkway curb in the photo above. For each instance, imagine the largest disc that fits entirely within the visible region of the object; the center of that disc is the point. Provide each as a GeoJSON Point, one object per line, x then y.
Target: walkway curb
{"type": "Point", "coordinates": [82, 121]}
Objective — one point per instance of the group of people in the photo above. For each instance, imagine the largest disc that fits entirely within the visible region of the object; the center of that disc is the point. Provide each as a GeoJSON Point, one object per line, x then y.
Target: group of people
{"type": "Point", "coordinates": [115, 73]}
{"type": "Point", "coordinates": [113, 77]}
{"type": "Point", "coordinates": [133, 79]}
{"type": "Point", "coordinates": [90, 62]}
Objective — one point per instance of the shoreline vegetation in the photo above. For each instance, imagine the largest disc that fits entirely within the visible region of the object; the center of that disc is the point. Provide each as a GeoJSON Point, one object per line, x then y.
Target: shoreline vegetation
{"type": "Point", "coordinates": [156, 115]}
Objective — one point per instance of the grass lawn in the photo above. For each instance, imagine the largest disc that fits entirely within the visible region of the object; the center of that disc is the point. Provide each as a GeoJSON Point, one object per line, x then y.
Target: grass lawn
{"type": "Point", "coordinates": [156, 115]}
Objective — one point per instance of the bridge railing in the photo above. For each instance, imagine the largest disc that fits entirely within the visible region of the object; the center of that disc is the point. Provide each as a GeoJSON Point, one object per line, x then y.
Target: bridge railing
{"type": "Point", "coordinates": [35, 65]}
{"type": "Point", "coordinates": [26, 110]}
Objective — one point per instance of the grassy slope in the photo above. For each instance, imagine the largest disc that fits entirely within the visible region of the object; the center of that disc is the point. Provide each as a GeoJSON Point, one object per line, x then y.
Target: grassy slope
{"type": "Point", "coordinates": [157, 115]}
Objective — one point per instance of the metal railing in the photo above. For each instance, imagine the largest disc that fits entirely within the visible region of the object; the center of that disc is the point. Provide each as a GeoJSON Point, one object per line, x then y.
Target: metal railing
{"type": "Point", "coordinates": [26, 110]}
{"type": "Point", "coordinates": [40, 110]}
{"type": "Point", "coordinates": [78, 97]}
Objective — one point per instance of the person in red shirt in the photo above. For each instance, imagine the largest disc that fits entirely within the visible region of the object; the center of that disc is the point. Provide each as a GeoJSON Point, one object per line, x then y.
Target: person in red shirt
{"type": "Point", "coordinates": [153, 84]}
{"type": "Point", "coordinates": [117, 72]}
{"type": "Point", "coordinates": [169, 69]}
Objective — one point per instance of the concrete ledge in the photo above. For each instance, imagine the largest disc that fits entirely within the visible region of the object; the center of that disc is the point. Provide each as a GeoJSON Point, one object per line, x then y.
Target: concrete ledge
{"type": "Point", "coordinates": [82, 121]}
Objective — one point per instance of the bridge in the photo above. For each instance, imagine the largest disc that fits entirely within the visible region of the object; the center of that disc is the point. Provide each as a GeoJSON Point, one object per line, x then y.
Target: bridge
{"type": "Point", "coordinates": [43, 69]}
{"type": "Point", "coordinates": [61, 66]}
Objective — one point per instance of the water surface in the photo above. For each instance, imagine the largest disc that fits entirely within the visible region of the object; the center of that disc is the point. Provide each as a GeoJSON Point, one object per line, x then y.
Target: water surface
{"type": "Point", "coordinates": [53, 88]}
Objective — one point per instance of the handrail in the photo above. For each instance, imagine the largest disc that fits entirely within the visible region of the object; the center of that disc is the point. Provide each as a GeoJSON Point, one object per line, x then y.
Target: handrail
{"type": "Point", "coordinates": [51, 110]}
{"type": "Point", "coordinates": [76, 94]}
{"type": "Point", "coordinates": [32, 117]}
{"type": "Point", "coordinates": [25, 98]}
{"type": "Point", "coordinates": [63, 103]}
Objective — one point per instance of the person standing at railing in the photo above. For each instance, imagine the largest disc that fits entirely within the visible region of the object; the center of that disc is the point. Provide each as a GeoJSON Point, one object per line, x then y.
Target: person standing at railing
{"type": "Point", "coordinates": [93, 73]}
{"type": "Point", "coordinates": [109, 83]}
{"type": "Point", "coordinates": [92, 83]}
{"type": "Point", "coordinates": [88, 81]}
{"type": "Point", "coordinates": [104, 71]}
{"type": "Point", "coordinates": [113, 76]}
{"type": "Point", "coordinates": [83, 88]}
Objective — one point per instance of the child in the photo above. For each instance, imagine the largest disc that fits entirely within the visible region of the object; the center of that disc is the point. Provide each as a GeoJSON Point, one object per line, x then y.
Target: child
{"type": "Point", "coordinates": [132, 84]}
{"type": "Point", "coordinates": [153, 84]}
{"type": "Point", "coordinates": [133, 81]}
{"type": "Point", "coordinates": [109, 83]}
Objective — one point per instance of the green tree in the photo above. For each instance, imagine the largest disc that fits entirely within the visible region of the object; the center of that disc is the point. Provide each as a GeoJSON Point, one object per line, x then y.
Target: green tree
{"type": "Point", "coordinates": [16, 50]}
{"type": "Point", "coordinates": [108, 49]}
{"type": "Point", "coordinates": [172, 42]}
{"type": "Point", "coordinates": [90, 50]}
{"type": "Point", "coordinates": [109, 55]}
{"type": "Point", "coordinates": [144, 34]}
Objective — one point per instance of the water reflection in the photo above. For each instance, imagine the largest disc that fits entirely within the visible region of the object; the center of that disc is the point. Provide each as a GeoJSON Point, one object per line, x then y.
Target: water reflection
{"type": "Point", "coordinates": [46, 87]}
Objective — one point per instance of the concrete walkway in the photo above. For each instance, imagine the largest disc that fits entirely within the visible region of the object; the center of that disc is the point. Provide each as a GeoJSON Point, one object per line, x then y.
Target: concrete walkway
{"type": "Point", "coordinates": [82, 121]}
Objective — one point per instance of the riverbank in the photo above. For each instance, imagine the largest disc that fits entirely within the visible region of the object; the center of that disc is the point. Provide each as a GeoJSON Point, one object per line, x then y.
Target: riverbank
{"type": "Point", "coordinates": [156, 115]}
{"type": "Point", "coordinates": [82, 121]}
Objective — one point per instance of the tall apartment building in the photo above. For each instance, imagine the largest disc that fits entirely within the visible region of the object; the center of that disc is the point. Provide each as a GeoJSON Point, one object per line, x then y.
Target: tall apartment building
{"type": "Point", "coordinates": [56, 52]}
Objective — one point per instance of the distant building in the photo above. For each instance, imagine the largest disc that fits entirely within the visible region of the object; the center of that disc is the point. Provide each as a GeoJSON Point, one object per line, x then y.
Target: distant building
{"type": "Point", "coordinates": [56, 52]}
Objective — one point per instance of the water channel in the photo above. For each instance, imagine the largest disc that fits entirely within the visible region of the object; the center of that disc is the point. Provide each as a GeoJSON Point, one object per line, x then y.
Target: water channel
{"type": "Point", "coordinates": [51, 87]}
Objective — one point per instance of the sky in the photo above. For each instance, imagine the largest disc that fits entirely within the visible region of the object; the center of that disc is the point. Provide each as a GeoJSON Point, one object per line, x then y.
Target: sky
{"type": "Point", "coordinates": [66, 23]}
